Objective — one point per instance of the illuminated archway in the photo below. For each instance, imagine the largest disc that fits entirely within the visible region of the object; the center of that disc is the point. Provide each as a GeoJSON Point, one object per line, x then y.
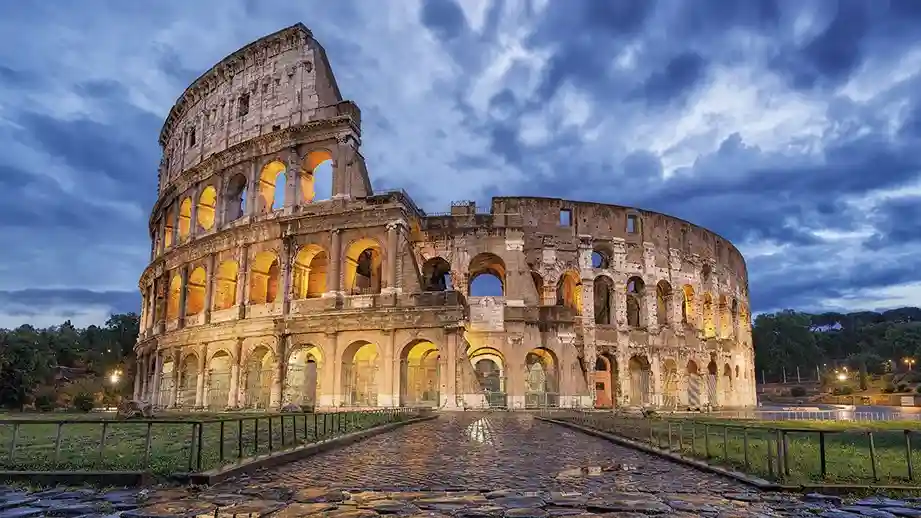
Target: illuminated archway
{"type": "Point", "coordinates": [569, 292]}
{"type": "Point", "coordinates": [486, 274]}
{"type": "Point", "coordinates": [420, 372]}
{"type": "Point", "coordinates": [363, 261]}
{"type": "Point", "coordinates": [165, 397]}
{"type": "Point", "coordinates": [726, 389]}
{"type": "Point", "coordinates": [542, 375]}
{"type": "Point", "coordinates": [264, 278]}
{"type": "Point", "coordinates": [195, 292]}
{"type": "Point", "coordinates": [270, 191]}
{"type": "Point", "coordinates": [185, 218]}
{"type": "Point", "coordinates": [603, 289]}
{"type": "Point", "coordinates": [489, 369]}
{"type": "Point", "coordinates": [688, 314]}
{"type": "Point", "coordinates": [670, 383]}
{"type": "Point", "coordinates": [709, 327]}
{"type": "Point", "coordinates": [218, 388]}
{"type": "Point", "coordinates": [607, 390]}
{"type": "Point", "coordinates": [360, 364]}
{"type": "Point", "coordinates": [309, 275]}
{"type": "Point", "coordinates": [436, 275]}
{"type": "Point", "coordinates": [169, 230]}
{"type": "Point", "coordinates": [207, 204]}
{"type": "Point", "coordinates": [302, 380]}
{"type": "Point", "coordinates": [725, 320]}
{"type": "Point", "coordinates": [317, 176]}
{"type": "Point", "coordinates": [173, 297]}
{"type": "Point", "coordinates": [635, 310]}
{"type": "Point", "coordinates": [225, 285]}
{"type": "Point", "coordinates": [235, 198]}
{"type": "Point", "coordinates": [258, 378]}
{"type": "Point", "coordinates": [640, 380]}
{"type": "Point", "coordinates": [188, 381]}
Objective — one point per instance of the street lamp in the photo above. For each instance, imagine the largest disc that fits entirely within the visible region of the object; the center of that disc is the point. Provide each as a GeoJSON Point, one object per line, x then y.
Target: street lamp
{"type": "Point", "coordinates": [842, 376]}
{"type": "Point", "coordinates": [909, 362]}
{"type": "Point", "coordinates": [115, 376]}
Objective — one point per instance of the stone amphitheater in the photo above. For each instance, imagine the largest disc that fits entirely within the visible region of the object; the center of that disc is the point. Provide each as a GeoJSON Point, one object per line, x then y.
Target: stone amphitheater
{"type": "Point", "coordinates": [278, 277]}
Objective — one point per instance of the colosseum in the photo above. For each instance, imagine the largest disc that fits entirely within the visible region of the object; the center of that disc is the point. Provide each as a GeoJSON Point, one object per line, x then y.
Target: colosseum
{"type": "Point", "coordinates": [277, 275]}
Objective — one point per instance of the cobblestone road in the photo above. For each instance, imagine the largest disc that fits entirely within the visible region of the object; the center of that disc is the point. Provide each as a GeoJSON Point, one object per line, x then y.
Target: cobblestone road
{"type": "Point", "coordinates": [483, 452]}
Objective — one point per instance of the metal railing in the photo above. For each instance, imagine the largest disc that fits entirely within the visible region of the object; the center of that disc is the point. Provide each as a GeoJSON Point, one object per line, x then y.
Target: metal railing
{"type": "Point", "coordinates": [789, 454]}
{"type": "Point", "coordinates": [169, 446]}
{"type": "Point", "coordinates": [806, 415]}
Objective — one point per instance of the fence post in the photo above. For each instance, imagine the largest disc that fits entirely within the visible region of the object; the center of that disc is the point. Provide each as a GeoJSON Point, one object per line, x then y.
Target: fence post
{"type": "Point", "coordinates": [873, 456]}
{"type": "Point", "coordinates": [148, 441]}
{"type": "Point", "coordinates": [102, 440]}
{"type": "Point", "coordinates": [780, 454]}
{"type": "Point", "coordinates": [908, 462]}
{"type": "Point", "coordinates": [192, 447]}
{"type": "Point", "coordinates": [201, 427]}
{"type": "Point", "coordinates": [669, 435]}
{"type": "Point", "coordinates": [822, 461]}
{"type": "Point", "coordinates": [707, 440]}
{"type": "Point", "coordinates": [726, 443]}
{"type": "Point", "coordinates": [13, 441]}
{"type": "Point", "coordinates": [786, 453]}
{"type": "Point", "coordinates": [745, 449]}
{"type": "Point", "coordinates": [57, 444]}
{"type": "Point", "coordinates": [271, 436]}
{"type": "Point", "coordinates": [221, 446]}
{"type": "Point", "coordinates": [240, 439]}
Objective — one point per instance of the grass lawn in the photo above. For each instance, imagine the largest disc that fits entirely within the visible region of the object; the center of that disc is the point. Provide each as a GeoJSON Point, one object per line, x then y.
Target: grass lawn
{"type": "Point", "coordinates": [725, 442]}
{"type": "Point", "coordinates": [172, 437]}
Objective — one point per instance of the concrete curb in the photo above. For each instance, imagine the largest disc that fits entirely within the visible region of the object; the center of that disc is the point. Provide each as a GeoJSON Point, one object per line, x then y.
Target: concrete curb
{"type": "Point", "coordinates": [217, 475]}
{"type": "Point", "coordinates": [756, 482]}
{"type": "Point", "coordinates": [79, 478]}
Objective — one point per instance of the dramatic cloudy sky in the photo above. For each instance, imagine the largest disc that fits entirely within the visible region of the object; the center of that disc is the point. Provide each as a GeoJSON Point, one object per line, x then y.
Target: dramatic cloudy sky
{"type": "Point", "coordinates": [793, 128]}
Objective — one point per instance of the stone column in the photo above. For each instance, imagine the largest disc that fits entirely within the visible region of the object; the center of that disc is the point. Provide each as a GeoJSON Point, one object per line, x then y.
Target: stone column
{"type": "Point", "coordinates": [233, 398]}
{"type": "Point", "coordinates": [449, 388]}
{"type": "Point", "coordinates": [193, 215]}
{"type": "Point", "coordinates": [158, 368]}
{"type": "Point", "coordinates": [335, 364]}
{"type": "Point", "coordinates": [202, 372]}
{"type": "Point", "coordinates": [242, 281]}
{"type": "Point", "coordinates": [335, 264]}
{"type": "Point", "coordinates": [209, 287]}
{"type": "Point", "coordinates": [184, 285]}
{"type": "Point", "coordinates": [293, 178]}
{"type": "Point", "coordinates": [174, 396]}
{"type": "Point", "coordinates": [278, 371]}
{"type": "Point", "coordinates": [393, 234]}
{"type": "Point", "coordinates": [388, 393]}
{"type": "Point", "coordinates": [136, 393]}
{"type": "Point", "coordinates": [252, 190]}
{"type": "Point", "coordinates": [161, 232]}
{"type": "Point", "coordinates": [143, 362]}
{"type": "Point", "coordinates": [285, 274]}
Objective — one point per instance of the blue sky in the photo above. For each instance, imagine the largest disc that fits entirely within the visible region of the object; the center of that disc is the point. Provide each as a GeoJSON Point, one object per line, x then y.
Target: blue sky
{"type": "Point", "coordinates": [793, 128]}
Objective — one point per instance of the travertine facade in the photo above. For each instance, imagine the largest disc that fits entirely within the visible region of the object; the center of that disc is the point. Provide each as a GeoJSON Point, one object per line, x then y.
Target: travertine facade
{"type": "Point", "coordinates": [262, 293]}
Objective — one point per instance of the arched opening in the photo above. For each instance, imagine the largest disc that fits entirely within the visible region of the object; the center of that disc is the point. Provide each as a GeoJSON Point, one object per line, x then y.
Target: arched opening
{"type": "Point", "coordinates": [694, 385]}
{"type": "Point", "coordinates": [604, 300]}
{"type": "Point", "coordinates": [538, 286]}
{"type": "Point", "coordinates": [727, 385]}
{"type": "Point", "coordinates": [195, 292]}
{"type": "Point", "coordinates": [542, 375]}
{"type": "Point", "coordinates": [165, 397]}
{"type": "Point", "coordinates": [709, 328]}
{"type": "Point", "coordinates": [725, 317]}
{"type": "Point", "coordinates": [271, 192]}
{"type": "Point", "coordinates": [303, 376]}
{"type": "Point", "coordinates": [640, 380]}
{"type": "Point", "coordinates": [263, 282]}
{"type": "Point", "coordinates": [635, 293]}
{"type": "Point", "coordinates": [670, 384]}
{"type": "Point", "coordinates": [218, 389]}
{"type": "Point", "coordinates": [188, 381]}
{"type": "Point", "coordinates": [489, 369]}
{"type": "Point", "coordinates": [569, 292]}
{"type": "Point", "coordinates": [600, 259]}
{"type": "Point", "coordinates": [688, 316]}
{"type": "Point", "coordinates": [487, 276]}
{"type": "Point", "coordinates": [363, 267]}
{"type": "Point", "coordinates": [663, 295]}
{"type": "Point", "coordinates": [173, 297]}
{"type": "Point", "coordinates": [309, 275]}
{"type": "Point", "coordinates": [225, 285]}
{"type": "Point", "coordinates": [360, 363]}
{"type": "Point", "coordinates": [235, 198]}
{"type": "Point", "coordinates": [169, 230]}
{"type": "Point", "coordinates": [420, 373]}
{"type": "Point", "coordinates": [207, 205]}
{"type": "Point", "coordinates": [258, 378]}
{"type": "Point", "coordinates": [436, 275]}
{"type": "Point", "coordinates": [712, 395]}
{"type": "Point", "coordinates": [607, 389]}
{"type": "Point", "coordinates": [317, 176]}
{"type": "Point", "coordinates": [734, 313]}
{"type": "Point", "coordinates": [185, 219]}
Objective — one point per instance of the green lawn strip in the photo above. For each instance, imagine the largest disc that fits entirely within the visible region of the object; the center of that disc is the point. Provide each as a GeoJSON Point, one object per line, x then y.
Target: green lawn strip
{"type": "Point", "coordinates": [170, 443]}
{"type": "Point", "coordinates": [847, 451]}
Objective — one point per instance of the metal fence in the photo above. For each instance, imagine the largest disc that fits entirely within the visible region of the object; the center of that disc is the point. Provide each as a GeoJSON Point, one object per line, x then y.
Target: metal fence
{"type": "Point", "coordinates": [806, 415]}
{"type": "Point", "coordinates": [848, 455]}
{"type": "Point", "coordinates": [170, 446]}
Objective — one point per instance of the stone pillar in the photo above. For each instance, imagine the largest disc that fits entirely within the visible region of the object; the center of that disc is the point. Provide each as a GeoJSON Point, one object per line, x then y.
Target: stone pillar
{"type": "Point", "coordinates": [136, 393]}
{"type": "Point", "coordinates": [184, 286]}
{"type": "Point", "coordinates": [177, 368]}
{"type": "Point", "coordinates": [242, 281]}
{"type": "Point", "coordinates": [193, 214]}
{"type": "Point", "coordinates": [161, 232]}
{"type": "Point", "coordinates": [233, 398]}
{"type": "Point", "coordinates": [335, 364]}
{"type": "Point", "coordinates": [252, 190]}
{"type": "Point", "coordinates": [393, 256]}
{"type": "Point", "coordinates": [202, 372]}
{"type": "Point", "coordinates": [286, 274]}
{"type": "Point", "coordinates": [449, 389]}
{"type": "Point", "coordinates": [335, 264]}
{"type": "Point", "coordinates": [158, 368]}
{"type": "Point", "coordinates": [209, 287]}
{"type": "Point", "coordinates": [650, 305]}
{"type": "Point", "coordinates": [278, 371]}
{"type": "Point", "coordinates": [293, 178]}
{"type": "Point", "coordinates": [389, 390]}
{"type": "Point", "coordinates": [143, 363]}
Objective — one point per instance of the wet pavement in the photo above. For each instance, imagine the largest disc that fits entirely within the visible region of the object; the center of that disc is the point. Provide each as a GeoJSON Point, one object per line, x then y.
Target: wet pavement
{"type": "Point", "coordinates": [460, 465]}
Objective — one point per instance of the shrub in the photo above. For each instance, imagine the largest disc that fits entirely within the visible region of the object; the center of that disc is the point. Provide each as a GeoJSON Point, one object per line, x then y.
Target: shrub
{"type": "Point", "coordinates": [45, 401]}
{"type": "Point", "coordinates": [797, 391]}
{"type": "Point", "coordinates": [903, 387]}
{"type": "Point", "coordinates": [843, 391]}
{"type": "Point", "coordinates": [84, 402]}
{"type": "Point", "coordinates": [918, 389]}
{"type": "Point", "coordinates": [888, 389]}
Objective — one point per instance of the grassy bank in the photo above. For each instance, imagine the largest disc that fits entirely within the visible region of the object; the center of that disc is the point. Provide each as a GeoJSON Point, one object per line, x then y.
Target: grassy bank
{"type": "Point", "coordinates": [171, 439]}
{"type": "Point", "coordinates": [751, 446]}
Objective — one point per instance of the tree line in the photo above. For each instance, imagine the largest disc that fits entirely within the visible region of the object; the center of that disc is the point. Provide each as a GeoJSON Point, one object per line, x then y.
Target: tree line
{"type": "Point", "coordinates": [864, 341]}
{"type": "Point", "coordinates": [52, 366]}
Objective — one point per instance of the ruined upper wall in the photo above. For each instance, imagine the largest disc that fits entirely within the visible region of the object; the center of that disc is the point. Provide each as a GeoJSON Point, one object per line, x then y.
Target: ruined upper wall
{"type": "Point", "coordinates": [278, 81]}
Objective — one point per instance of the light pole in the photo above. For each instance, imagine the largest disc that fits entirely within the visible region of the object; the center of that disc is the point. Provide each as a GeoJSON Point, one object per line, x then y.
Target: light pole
{"type": "Point", "coordinates": [909, 362]}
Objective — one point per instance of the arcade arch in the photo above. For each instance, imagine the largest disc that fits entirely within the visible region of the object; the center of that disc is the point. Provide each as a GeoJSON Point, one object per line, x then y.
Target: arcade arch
{"type": "Point", "coordinates": [640, 380]}
{"type": "Point", "coordinates": [635, 293]}
{"type": "Point", "coordinates": [173, 297]}
{"type": "Point", "coordinates": [188, 381]}
{"type": "Point", "coordinates": [195, 292]}
{"type": "Point", "coordinates": [316, 176]}
{"type": "Point", "coordinates": [542, 375]}
{"type": "Point", "coordinates": [218, 386]}
{"type": "Point", "coordinates": [225, 285]}
{"type": "Point", "coordinates": [309, 275]}
{"type": "Point", "coordinates": [489, 368]}
{"type": "Point", "coordinates": [206, 208]}
{"type": "Point", "coordinates": [607, 387]}
{"type": "Point", "coordinates": [185, 219]}
{"type": "Point", "coordinates": [302, 380]}
{"type": "Point", "coordinates": [264, 278]}
{"type": "Point", "coordinates": [363, 267]}
{"type": "Point", "coordinates": [360, 365]}
{"type": "Point", "coordinates": [688, 316]}
{"type": "Point", "coordinates": [663, 295]}
{"type": "Point", "coordinates": [604, 300]}
{"type": "Point", "coordinates": [420, 375]}
{"type": "Point", "coordinates": [436, 275]}
{"type": "Point", "coordinates": [258, 375]}
{"type": "Point", "coordinates": [272, 181]}
{"type": "Point", "coordinates": [569, 292]}
{"type": "Point", "coordinates": [234, 199]}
